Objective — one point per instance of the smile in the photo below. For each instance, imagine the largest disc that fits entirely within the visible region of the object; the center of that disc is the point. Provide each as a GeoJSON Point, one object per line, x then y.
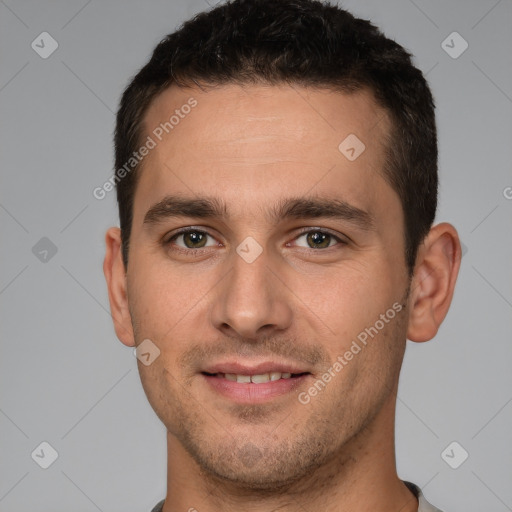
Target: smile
{"type": "Point", "coordinates": [254, 388]}
{"type": "Point", "coordinates": [255, 379]}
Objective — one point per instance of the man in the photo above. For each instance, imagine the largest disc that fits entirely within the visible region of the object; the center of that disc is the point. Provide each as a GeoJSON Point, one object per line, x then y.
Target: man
{"type": "Point", "coordinates": [277, 186]}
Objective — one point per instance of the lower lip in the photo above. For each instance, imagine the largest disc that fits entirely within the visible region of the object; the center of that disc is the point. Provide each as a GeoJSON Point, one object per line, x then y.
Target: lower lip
{"type": "Point", "coordinates": [250, 392]}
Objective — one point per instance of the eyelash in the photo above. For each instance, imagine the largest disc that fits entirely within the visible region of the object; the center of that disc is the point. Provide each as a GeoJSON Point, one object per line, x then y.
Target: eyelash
{"type": "Point", "coordinates": [305, 231]}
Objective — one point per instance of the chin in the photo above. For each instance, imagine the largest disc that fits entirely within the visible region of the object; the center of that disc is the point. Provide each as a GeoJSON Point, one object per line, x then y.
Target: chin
{"type": "Point", "coordinates": [251, 469]}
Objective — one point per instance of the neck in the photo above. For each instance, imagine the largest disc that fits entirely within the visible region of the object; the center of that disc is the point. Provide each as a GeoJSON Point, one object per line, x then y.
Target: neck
{"type": "Point", "coordinates": [361, 477]}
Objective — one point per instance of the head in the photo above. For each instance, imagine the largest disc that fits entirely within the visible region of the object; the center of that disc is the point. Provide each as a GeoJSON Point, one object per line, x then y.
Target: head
{"type": "Point", "coordinates": [274, 89]}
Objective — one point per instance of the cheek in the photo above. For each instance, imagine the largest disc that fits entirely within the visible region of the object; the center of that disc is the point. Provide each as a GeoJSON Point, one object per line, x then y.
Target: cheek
{"type": "Point", "coordinates": [161, 296]}
{"type": "Point", "coordinates": [351, 297]}
{"type": "Point", "coordinates": [161, 388]}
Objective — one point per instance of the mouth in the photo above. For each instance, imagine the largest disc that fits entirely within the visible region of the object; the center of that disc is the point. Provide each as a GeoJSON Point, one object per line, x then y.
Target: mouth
{"type": "Point", "coordinates": [258, 385]}
{"type": "Point", "coordinates": [260, 378]}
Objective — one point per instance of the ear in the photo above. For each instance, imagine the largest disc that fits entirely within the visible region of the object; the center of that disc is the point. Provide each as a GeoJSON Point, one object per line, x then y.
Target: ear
{"type": "Point", "coordinates": [433, 282]}
{"type": "Point", "coordinates": [115, 274]}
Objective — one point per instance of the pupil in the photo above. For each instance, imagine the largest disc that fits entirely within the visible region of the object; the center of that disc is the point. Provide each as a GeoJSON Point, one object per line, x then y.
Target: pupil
{"type": "Point", "coordinates": [195, 237]}
{"type": "Point", "coordinates": [318, 238]}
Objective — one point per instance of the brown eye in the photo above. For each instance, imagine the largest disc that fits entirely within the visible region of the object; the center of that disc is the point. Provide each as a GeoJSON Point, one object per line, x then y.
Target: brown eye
{"type": "Point", "coordinates": [191, 239]}
{"type": "Point", "coordinates": [194, 239]}
{"type": "Point", "coordinates": [318, 239]}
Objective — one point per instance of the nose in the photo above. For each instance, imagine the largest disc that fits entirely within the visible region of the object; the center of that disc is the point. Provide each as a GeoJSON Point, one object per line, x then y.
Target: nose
{"type": "Point", "coordinates": [252, 301]}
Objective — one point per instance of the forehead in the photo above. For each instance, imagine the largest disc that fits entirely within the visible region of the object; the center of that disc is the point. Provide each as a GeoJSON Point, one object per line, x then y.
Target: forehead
{"type": "Point", "coordinates": [255, 143]}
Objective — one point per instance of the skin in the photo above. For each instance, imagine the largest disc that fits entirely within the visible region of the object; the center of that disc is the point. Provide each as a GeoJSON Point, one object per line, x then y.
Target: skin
{"type": "Point", "coordinates": [252, 146]}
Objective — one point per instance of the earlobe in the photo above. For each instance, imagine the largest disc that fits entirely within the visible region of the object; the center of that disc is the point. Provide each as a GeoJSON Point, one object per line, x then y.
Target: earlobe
{"type": "Point", "coordinates": [433, 283]}
{"type": "Point", "coordinates": [115, 275]}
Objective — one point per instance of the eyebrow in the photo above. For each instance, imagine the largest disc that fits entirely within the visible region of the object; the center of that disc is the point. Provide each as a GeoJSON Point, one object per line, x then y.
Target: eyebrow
{"type": "Point", "coordinates": [289, 208]}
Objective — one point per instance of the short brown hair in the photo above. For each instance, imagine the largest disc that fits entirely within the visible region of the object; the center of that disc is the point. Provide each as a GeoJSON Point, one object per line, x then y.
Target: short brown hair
{"type": "Point", "coordinates": [304, 42]}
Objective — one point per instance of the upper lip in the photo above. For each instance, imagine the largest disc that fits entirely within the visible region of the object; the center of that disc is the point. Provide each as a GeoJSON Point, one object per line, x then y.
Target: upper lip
{"type": "Point", "coordinates": [239, 368]}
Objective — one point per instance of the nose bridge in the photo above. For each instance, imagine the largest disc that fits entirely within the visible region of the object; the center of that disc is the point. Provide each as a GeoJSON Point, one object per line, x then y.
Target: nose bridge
{"type": "Point", "coordinates": [251, 298]}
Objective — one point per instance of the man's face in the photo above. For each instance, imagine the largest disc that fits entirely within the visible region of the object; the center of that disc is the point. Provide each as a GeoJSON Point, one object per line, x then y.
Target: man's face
{"type": "Point", "coordinates": [250, 293]}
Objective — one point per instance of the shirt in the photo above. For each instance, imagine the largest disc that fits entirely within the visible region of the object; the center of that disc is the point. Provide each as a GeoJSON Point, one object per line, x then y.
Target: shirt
{"type": "Point", "coordinates": [424, 505]}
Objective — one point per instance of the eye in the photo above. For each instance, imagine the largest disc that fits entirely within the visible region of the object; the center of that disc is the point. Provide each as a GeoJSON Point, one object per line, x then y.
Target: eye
{"type": "Point", "coordinates": [191, 239]}
{"type": "Point", "coordinates": [319, 239]}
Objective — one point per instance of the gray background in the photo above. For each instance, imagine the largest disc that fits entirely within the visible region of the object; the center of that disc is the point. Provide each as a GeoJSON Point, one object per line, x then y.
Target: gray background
{"type": "Point", "coordinates": [67, 380]}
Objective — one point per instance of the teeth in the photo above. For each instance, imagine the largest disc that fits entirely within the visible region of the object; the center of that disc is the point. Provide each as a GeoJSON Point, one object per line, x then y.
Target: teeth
{"type": "Point", "coordinates": [256, 379]}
